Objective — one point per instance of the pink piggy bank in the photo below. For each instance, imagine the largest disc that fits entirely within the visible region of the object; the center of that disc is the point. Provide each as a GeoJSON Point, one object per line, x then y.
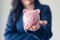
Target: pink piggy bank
{"type": "Point", "coordinates": [31, 17]}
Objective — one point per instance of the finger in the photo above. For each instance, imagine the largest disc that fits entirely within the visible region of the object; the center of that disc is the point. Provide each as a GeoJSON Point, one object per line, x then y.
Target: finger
{"type": "Point", "coordinates": [43, 22]}
{"type": "Point", "coordinates": [28, 27]}
{"type": "Point", "coordinates": [34, 28]}
{"type": "Point", "coordinates": [38, 26]}
{"type": "Point", "coordinates": [31, 29]}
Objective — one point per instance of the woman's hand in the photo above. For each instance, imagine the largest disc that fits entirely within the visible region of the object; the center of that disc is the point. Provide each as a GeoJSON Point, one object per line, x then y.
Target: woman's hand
{"type": "Point", "coordinates": [37, 26]}
{"type": "Point", "coordinates": [34, 27]}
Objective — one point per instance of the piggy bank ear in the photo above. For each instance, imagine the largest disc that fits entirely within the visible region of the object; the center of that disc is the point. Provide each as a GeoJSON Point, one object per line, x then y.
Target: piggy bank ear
{"type": "Point", "coordinates": [24, 10]}
{"type": "Point", "coordinates": [37, 11]}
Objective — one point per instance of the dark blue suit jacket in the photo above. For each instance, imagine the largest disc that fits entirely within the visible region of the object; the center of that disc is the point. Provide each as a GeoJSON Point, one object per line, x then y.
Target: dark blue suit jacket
{"type": "Point", "coordinates": [17, 32]}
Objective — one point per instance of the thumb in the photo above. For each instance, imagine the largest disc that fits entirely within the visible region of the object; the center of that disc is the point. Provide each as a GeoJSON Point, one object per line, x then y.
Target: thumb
{"type": "Point", "coordinates": [43, 22]}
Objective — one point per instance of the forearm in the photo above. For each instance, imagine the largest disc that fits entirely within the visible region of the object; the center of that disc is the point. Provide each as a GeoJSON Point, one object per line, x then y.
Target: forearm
{"type": "Point", "coordinates": [14, 36]}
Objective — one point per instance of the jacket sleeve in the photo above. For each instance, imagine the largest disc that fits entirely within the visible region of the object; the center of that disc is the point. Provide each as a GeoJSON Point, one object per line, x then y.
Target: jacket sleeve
{"type": "Point", "coordinates": [10, 31]}
{"type": "Point", "coordinates": [46, 15]}
{"type": "Point", "coordinates": [45, 31]}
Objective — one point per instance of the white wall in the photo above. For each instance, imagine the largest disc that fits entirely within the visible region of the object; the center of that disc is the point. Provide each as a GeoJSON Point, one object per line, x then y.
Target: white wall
{"type": "Point", "coordinates": [55, 8]}
{"type": "Point", "coordinates": [5, 7]}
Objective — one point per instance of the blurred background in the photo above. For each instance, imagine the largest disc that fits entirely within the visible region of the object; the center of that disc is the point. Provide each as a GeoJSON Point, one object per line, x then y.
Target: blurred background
{"type": "Point", "coordinates": [5, 6]}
